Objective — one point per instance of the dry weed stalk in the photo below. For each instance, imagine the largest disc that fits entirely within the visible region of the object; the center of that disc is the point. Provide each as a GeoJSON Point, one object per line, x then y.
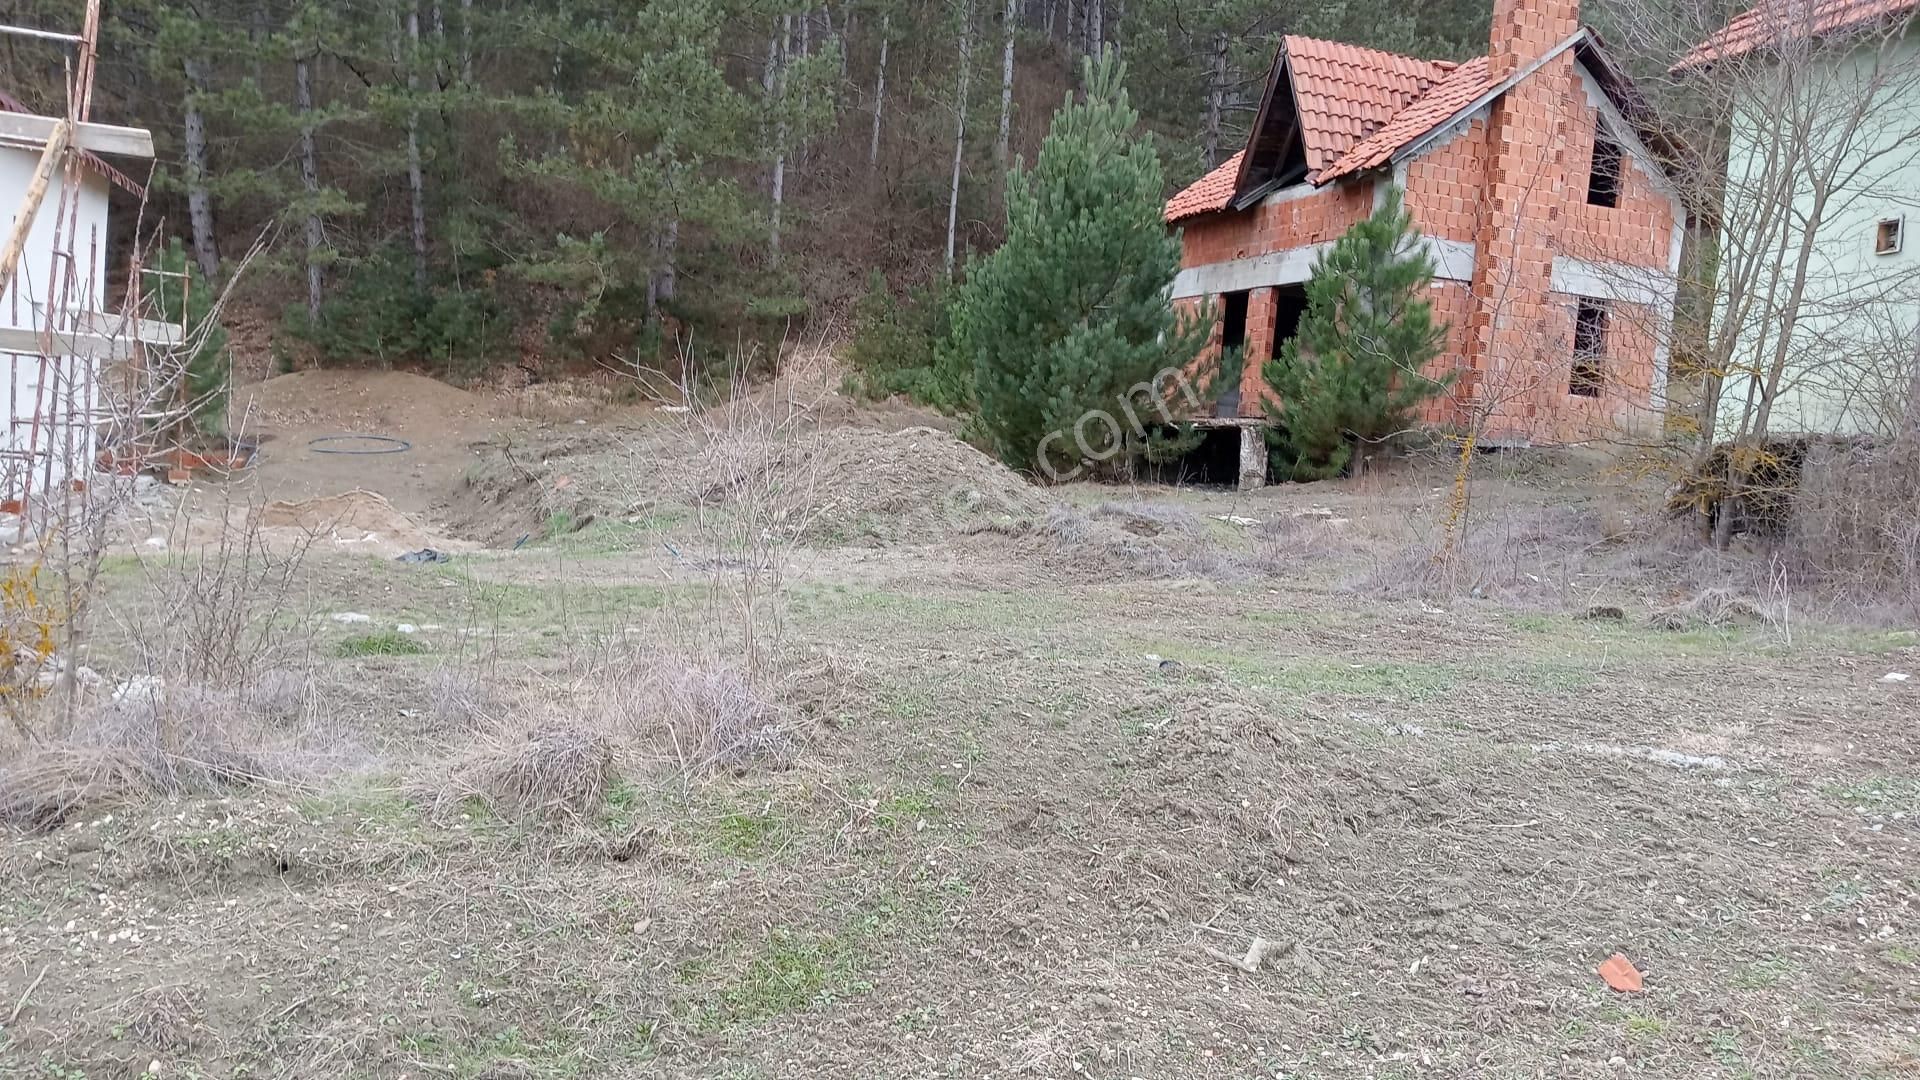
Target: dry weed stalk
{"type": "Point", "coordinates": [48, 595]}
{"type": "Point", "coordinates": [721, 688]}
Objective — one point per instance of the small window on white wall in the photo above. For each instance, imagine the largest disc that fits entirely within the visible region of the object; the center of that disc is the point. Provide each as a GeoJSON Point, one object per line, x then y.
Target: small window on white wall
{"type": "Point", "coordinates": [1888, 234]}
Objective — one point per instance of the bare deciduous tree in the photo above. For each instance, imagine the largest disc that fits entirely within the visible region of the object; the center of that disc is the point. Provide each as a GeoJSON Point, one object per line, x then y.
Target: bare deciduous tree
{"type": "Point", "coordinates": [1807, 134]}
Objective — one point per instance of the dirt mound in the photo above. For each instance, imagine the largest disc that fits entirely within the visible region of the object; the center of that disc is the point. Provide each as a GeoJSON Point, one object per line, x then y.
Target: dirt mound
{"type": "Point", "coordinates": [907, 486]}
{"type": "Point", "coordinates": [846, 486]}
{"type": "Point", "coordinates": [395, 403]}
{"type": "Point", "coordinates": [361, 518]}
{"type": "Point", "coordinates": [515, 488]}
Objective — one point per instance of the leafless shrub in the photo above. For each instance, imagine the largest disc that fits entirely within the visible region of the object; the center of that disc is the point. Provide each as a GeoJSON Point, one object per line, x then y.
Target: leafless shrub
{"type": "Point", "coordinates": [556, 770]}
{"type": "Point", "coordinates": [1856, 524]}
{"type": "Point", "coordinates": [149, 741]}
{"type": "Point", "coordinates": [461, 698]}
{"type": "Point", "coordinates": [213, 611]}
{"type": "Point", "coordinates": [1520, 553]}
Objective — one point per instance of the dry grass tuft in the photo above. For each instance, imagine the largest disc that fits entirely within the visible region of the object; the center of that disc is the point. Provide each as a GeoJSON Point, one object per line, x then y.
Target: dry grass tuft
{"type": "Point", "coordinates": [461, 699]}
{"type": "Point", "coordinates": [165, 1019]}
{"type": "Point", "coordinates": [1148, 539]}
{"type": "Point", "coordinates": [553, 771]}
{"type": "Point", "coordinates": [711, 717]}
{"type": "Point", "coordinates": [1712, 607]}
{"type": "Point", "coordinates": [1149, 517]}
{"type": "Point", "coordinates": [150, 743]}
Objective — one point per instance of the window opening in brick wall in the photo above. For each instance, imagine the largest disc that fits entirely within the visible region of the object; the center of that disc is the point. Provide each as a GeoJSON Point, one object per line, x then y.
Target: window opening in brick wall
{"type": "Point", "coordinates": [1603, 176]}
{"type": "Point", "coordinates": [1289, 304]}
{"type": "Point", "coordinates": [1589, 349]}
{"type": "Point", "coordinates": [1233, 335]}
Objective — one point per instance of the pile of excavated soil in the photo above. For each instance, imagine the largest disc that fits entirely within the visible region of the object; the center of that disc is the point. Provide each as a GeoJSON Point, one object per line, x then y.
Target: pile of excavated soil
{"type": "Point", "coordinates": [395, 403]}
{"type": "Point", "coordinates": [907, 486]}
{"type": "Point", "coordinates": [829, 486]}
{"type": "Point", "coordinates": [359, 520]}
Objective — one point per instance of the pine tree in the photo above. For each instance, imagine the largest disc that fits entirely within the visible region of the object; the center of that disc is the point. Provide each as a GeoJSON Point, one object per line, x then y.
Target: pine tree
{"type": "Point", "coordinates": [1070, 318]}
{"type": "Point", "coordinates": [1354, 372]}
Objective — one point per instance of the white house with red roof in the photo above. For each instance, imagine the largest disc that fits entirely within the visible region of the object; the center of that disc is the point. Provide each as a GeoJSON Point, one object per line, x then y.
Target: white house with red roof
{"type": "Point", "coordinates": [1818, 302]}
{"type": "Point", "coordinates": [1535, 174]}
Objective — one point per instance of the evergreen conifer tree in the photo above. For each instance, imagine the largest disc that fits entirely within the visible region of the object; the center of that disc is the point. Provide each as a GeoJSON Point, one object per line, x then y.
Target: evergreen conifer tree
{"type": "Point", "coordinates": [1353, 374]}
{"type": "Point", "coordinates": [1070, 318]}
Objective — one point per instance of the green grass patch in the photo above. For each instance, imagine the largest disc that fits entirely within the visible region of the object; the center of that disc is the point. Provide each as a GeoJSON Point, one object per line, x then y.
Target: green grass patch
{"type": "Point", "coordinates": [1881, 794]}
{"type": "Point", "coordinates": [747, 835]}
{"type": "Point", "coordinates": [794, 971]}
{"type": "Point", "coordinates": [1763, 973]}
{"type": "Point", "coordinates": [1640, 1026]}
{"type": "Point", "coordinates": [1561, 676]}
{"type": "Point", "coordinates": [905, 809]}
{"type": "Point", "coordinates": [379, 643]}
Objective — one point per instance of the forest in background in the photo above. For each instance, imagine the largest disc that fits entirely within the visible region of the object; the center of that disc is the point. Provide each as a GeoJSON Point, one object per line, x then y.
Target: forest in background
{"type": "Point", "coordinates": [457, 183]}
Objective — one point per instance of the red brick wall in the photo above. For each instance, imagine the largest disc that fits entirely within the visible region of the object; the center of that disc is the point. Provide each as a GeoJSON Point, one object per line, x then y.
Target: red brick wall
{"type": "Point", "coordinates": [1520, 351]}
{"type": "Point", "coordinates": [1638, 231]}
{"type": "Point", "coordinates": [1270, 227]}
{"type": "Point", "coordinates": [1513, 325]}
{"type": "Point", "coordinates": [1444, 186]}
{"type": "Point", "coordinates": [1525, 29]}
{"type": "Point", "coordinates": [1620, 411]}
{"type": "Point", "coordinates": [1262, 307]}
{"type": "Point", "coordinates": [1453, 305]}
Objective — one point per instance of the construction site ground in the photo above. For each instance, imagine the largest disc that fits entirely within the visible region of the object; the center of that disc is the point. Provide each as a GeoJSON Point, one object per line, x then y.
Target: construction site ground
{"type": "Point", "coordinates": [1088, 781]}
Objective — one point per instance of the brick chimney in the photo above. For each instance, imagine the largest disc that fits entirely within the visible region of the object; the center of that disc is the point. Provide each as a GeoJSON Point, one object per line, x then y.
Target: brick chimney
{"type": "Point", "coordinates": [1525, 29]}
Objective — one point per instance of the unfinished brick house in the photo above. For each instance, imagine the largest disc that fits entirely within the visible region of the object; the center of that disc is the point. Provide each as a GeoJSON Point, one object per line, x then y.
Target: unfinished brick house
{"type": "Point", "coordinates": [1534, 173]}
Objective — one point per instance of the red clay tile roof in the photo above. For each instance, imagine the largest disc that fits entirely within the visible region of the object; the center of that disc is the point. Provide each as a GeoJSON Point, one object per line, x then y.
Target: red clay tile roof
{"type": "Point", "coordinates": [1769, 20]}
{"type": "Point", "coordinates": [9, 103]}
{"type": "Point", "coordinates": [1455, 92]}
{"type": "Point", "coordinates": [1207, 194]}
{"type": "Point", "coordinates": [1346, 93]}
{"type": "Point", "coordinates": [1348, 100]}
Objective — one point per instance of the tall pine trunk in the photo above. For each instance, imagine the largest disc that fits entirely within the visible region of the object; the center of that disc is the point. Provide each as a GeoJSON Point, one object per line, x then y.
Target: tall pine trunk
{"type": "Point", "coordinates": [1096, 11]}
{"type": "Point", "coordinates": [880, 89]}
{"type": "Point", "coordinates": [1216, 99]}
{"type": "Point", "coordinates": [309, 181]}
{"type": "Point", "coordinates": [775, 79]}
{"type": "Point", "coordinates": [416, 178]}
{"type": "Point", "coordinates": [206, 250]}
{"type": "Point", "coordinates": [466, 41]}
{"type": "Point", "coordinates": [663, 278]}
{"type": "Point", "coordinates": [1009, 21]}
{"type": "Point", "coordinates": [959, 128]}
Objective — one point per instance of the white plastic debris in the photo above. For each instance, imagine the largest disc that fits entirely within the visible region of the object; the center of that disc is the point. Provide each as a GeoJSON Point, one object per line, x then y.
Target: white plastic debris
{"type": "Point", "coordinates": [1236, 519]}
{"type": "Point", "coordinates": [350, 617]}
{"type": "Point", "coordinates": [140, 686]}
{"type": "Point", "coordinates": [1894, 676]}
